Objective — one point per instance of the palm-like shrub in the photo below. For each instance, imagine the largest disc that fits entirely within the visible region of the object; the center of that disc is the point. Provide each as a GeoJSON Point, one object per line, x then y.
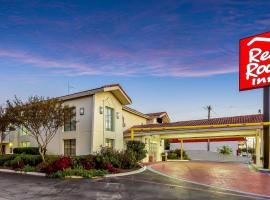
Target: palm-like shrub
{"type": "Point", "coordinates": [225, 150]}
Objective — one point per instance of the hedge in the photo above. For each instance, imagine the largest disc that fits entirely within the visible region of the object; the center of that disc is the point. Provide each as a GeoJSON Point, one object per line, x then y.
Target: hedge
{"type": "Point", "coordinates": [26, 150]}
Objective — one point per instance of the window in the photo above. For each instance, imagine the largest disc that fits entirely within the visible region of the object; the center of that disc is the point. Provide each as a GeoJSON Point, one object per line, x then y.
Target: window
{"type": "Point", "coordinates": [25, 144]}
{"type": "Point", "coordinates": [109, 112]}
{"type": "Point", "coordinates": [70, 120]}
{"type": "Point", "coordinates": [159, 120]}
{"type": "Point", "coordinates": [24, 131]}
{"type": "Point", "coordinates": [109, 143]}
{"type": "Point", "coordinates": [70, 147]}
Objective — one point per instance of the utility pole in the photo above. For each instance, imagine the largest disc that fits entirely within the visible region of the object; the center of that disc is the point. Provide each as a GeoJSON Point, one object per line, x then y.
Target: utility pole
{"type": "Point", "coordinates": [266, 128]}
{"type": "Point", "coordinates": [209, 109]}
{"type": "Point", "coordinates": [69, 87]}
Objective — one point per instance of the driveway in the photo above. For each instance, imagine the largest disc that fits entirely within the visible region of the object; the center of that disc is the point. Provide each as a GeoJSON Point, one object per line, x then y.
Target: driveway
{"type": "Point", "coordinates": [226, 175]}
{"type": "Point", "coordinates": [146, 185]}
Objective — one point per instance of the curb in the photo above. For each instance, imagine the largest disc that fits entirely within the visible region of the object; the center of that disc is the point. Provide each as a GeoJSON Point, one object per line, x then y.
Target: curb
{"type": "Point", "coordinates": [21, 172]}
{"type": "Point", "coordinates": [171, 160]}
{"type": "Point", "coordinates": [202, 184]}
{"type": "Point", "coordinates": [44, 175]}
{"type": "Point", "coordinates": [126, 173]}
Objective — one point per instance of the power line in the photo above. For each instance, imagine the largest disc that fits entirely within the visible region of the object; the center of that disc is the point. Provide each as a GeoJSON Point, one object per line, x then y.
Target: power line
{"type": "Point", "coordinates": [69, 87]}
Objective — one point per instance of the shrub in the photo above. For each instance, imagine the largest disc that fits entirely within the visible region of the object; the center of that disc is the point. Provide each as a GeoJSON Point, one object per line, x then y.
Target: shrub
{"type": "Point", "coordinates": [225, 150]}
{"type": "Point", "coordinates": [28, 168]}
{"type": "Point", "coordinates": [128, 159]}
{"type": "Point", "coordinates": [172, 155]}
{"type": "Point", "coordinates": [17, 164]}
{"type": "Point", "coordinates": [42, 167]}
{"type": "Point", "coordinates": [176, 154]}
{"type": "Point", "coordinates": [32, 160]}
{"type": "Point", "coordinates": [87, 162]}
{"type": "Point", "coordinates": [79, 171]}
{"type": "Point", "coordinates": [110, 168]}
{"type": "Point", "coordinates": [59, 165]}
{"type": "Point", "coordinates": [138, 148]}
{"type": "Point", "coordinates": [6, 158]}
{"type": "Point", "coordinates": [108, 155]}
{"type": "Point", "coordinates": [18, 161]}
{"type": "Point", "coordinates": [26, 150]}
{"type": "Point", "coordinates": [51, 158]}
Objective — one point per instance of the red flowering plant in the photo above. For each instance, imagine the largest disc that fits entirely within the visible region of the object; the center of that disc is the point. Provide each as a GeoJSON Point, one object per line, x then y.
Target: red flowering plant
{"type": "Point", "coordinates": [110, 168]}
{"type": "Point", "coordinates": [59, 165]}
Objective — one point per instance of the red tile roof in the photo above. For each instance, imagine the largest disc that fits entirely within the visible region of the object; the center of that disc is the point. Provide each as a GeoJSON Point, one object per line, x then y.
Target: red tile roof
{"type": "Point", "coordinates": [214, 121]}
{"type": "Point", "coordinates": [156, 114]}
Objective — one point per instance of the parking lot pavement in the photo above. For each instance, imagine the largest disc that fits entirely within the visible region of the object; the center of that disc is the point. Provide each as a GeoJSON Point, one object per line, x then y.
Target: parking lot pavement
{"type": "Point", "coordinates": [232, 176]}
{"type": "Point", "coordinates": [146, 185]}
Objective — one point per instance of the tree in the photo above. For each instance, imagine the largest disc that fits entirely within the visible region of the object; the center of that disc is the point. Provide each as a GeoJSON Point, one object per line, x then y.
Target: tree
{"type": "Point", "coordinates": [5, 126]}
{"type": "Point", "coordinates": [225, 150]}
{"type": "Point", "coordinates": [41, 117]}
{"type": "Point", "coordinates": [166, 144]}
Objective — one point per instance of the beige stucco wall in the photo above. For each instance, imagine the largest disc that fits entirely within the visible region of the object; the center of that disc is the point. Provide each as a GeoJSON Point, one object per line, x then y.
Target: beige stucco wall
{"type": "Point", "coordinates": [132, 119]}
{"type": "Point", "coordinates": [101, 100]}
{"type": "Point", "coordinates": [83, 131]}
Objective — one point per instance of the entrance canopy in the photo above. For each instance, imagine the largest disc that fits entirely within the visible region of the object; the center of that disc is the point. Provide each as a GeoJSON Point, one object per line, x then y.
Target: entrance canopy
{"type": "Point", "coordinates": [226, 127]}
{"type": "Point", "coordinates": [239, 139]}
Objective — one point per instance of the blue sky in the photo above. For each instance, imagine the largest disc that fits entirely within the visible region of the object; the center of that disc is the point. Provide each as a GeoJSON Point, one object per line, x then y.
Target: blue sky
{"type": "Point", "coordinates": [177, 56]}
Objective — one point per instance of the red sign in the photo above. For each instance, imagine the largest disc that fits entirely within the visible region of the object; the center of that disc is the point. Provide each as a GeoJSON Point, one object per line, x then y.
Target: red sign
{"type": "Point", "coordinates": [254, 63]}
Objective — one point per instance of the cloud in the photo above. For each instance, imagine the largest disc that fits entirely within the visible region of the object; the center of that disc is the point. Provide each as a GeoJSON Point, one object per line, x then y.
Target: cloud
{"type": "Point", "coordinates": [174, 39]}
{"type": "Point", "coordinates": [121, 63]}
{"type": "Point", "coordinates": [44, 62]}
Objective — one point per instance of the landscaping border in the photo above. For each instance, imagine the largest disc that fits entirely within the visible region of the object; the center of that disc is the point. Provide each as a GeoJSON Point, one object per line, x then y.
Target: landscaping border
{"type": "Point", "coordinates": [126, 173]}
{"type": "Point", "coordinates": [43, 174]}
{"type": "Point", "coordinates": [22, 172]}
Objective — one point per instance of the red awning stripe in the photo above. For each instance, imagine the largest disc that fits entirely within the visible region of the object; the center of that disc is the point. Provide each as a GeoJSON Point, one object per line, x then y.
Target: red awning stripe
{"type": "Point", "coordinates": [240, 139]}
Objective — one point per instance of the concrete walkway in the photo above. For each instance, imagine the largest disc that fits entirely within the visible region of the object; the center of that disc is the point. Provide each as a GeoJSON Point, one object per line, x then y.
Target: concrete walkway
{"type": "Point", "coordinates": [233, 176]}
{"type": "Point", "coordinates": [215, 157]}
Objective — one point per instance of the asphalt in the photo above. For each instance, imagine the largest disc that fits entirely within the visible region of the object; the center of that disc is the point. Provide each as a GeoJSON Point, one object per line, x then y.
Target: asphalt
{"type": "Point", "coordinates": [143, 186]}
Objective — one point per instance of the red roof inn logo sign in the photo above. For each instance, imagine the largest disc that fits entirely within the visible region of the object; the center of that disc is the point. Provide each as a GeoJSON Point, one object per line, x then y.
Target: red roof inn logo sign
{"type": "Point", "coordinates": [254, 63]}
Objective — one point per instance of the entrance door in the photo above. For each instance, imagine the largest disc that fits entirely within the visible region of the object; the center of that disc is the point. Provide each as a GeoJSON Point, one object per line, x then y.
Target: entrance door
{"type": "Point", "coordinates": [3, 149]}
{"type": "Point", "coordinates": [152, 152]}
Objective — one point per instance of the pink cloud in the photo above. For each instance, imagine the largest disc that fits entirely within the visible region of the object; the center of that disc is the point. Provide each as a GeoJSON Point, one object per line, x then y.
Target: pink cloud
{"type": "Point", "coordinates": [124, 63]}
{"type": "Point", "coordinates": [46, 63]}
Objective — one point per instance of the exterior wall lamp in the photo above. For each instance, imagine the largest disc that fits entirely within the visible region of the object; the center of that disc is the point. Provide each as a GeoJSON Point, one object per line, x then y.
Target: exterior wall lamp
{"type": "Point", "coordinates": [100, 110]}
{"type": "Point", "coordinates": [81, 111]}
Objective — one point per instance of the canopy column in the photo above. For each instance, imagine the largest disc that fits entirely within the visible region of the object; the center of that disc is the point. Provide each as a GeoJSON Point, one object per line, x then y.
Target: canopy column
{"type": "Point", "coordinates": [258, 147]}
{"type": "Point", "coordinates": [181, 149]}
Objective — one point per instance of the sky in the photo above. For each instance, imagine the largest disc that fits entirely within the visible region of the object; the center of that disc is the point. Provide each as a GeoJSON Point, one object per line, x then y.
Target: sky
{"type": "Point", "coordinates": [174, 56]}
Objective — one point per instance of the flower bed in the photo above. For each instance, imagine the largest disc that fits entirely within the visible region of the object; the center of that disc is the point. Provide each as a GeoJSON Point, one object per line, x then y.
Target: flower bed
{"type": "Point", "coordinates": [105, 161]}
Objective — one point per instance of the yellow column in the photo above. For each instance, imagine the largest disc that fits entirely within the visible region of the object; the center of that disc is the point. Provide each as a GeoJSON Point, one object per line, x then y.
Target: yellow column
{"type": "Point", "coordinates": [181, 149]}
{"type": "Point", "coordinates": [257, 148]}
{"type": "Point", "coordinates": [132, 134]}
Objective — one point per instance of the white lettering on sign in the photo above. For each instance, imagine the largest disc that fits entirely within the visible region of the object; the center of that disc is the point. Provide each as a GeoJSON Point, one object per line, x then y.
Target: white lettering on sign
{"type": "Point", "coordinates": [254, 69]}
